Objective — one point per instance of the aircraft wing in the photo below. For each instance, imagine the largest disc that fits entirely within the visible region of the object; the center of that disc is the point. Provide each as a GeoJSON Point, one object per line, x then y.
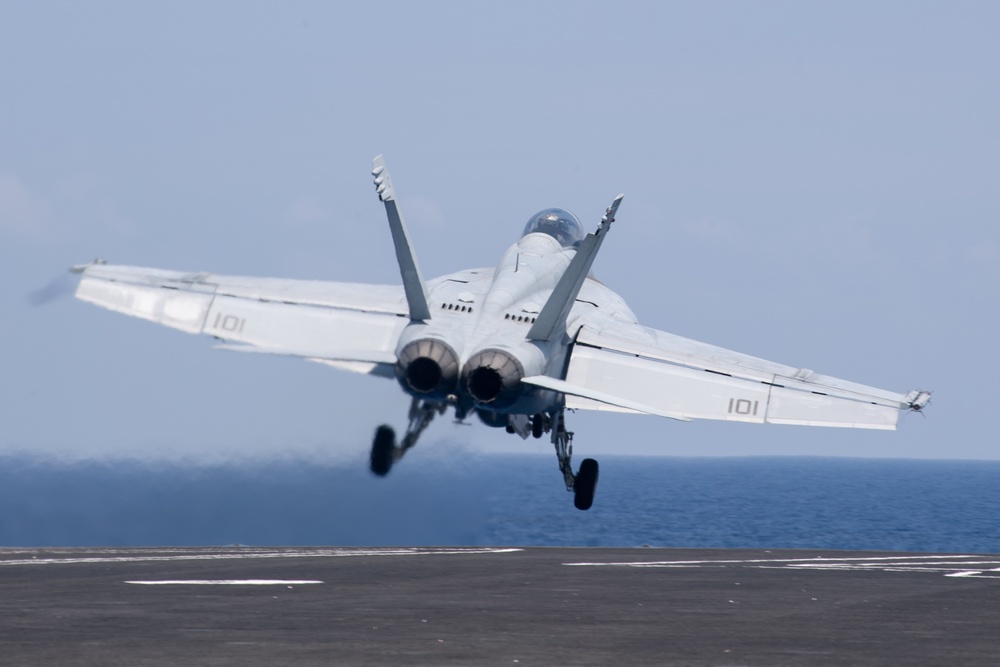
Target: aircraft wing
{"type": "Point", "coordinates": [627, 367]}
{"type": "Point", "coordinates": [347, 325]}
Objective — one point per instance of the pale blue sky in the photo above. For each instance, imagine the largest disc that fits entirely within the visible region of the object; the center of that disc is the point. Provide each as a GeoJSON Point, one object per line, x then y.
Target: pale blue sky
{"type": "Point", "coordinates": [814, 183]}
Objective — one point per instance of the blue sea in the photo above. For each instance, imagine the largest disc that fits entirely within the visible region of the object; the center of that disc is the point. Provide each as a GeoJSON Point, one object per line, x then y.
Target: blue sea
{"type": "Point", "coordinates": [753, 502]}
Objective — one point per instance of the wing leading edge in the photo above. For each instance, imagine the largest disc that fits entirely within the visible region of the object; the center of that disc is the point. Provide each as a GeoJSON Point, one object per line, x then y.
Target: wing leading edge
{"type": "Point", "coordinates": [634, 366]}
{"type": "Point", "coordinates": [347, 325]}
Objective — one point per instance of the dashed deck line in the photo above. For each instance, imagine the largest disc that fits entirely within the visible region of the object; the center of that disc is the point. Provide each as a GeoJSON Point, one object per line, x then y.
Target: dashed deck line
{"type": "Point", "coordinates": [950, 565]}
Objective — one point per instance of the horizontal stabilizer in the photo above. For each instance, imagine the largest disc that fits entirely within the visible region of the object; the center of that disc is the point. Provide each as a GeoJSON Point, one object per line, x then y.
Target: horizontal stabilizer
{"type": "Point", "coordinates": [564, 387]}
{"type": "Point", "coordinates": [366, 356]}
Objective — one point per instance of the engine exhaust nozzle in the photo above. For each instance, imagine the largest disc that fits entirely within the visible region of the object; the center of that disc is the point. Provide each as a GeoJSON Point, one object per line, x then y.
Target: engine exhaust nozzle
{"type": "Point", "coordinates": [428, 367]}
{"type": "Point", "coordinates": [493, 377]}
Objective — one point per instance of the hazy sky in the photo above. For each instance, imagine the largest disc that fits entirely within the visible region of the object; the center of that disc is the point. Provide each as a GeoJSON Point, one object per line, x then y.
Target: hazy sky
{"type": "Point", "coordinates": [813, 183]}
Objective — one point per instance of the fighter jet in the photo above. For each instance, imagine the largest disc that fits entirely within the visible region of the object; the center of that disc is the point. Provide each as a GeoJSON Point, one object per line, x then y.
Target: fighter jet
{"type": "Point", "coordinates": [517, 345]}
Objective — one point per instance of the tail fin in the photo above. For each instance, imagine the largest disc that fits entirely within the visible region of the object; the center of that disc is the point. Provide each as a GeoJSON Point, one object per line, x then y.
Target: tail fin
{"type": "Point", "coordinates": [413, 282]}
{"type": "Point", "coordinates": [551, 321]}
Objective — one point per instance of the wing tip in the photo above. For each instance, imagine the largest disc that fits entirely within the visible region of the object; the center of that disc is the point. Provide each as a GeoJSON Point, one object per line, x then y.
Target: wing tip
{"type": "Point", "coordinates": [918, 399]}
{"type": "Point", "coordinates": [80, 268]}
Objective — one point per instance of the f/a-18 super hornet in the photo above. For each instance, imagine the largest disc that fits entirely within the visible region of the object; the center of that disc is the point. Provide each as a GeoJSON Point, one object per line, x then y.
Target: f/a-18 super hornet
{"type": "Point", "coordinates": [518, 344]}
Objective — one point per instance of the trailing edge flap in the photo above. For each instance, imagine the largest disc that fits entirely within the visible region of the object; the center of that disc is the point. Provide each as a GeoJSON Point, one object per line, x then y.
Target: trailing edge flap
{"type": "Point", "coordinates": [413, 282]}
{"type": "Point", "coordinates": [551, 321]}
{"type": "Point", "coordinates": [564, 387]}
{"type": "Point", "coordinates": [366, 356]}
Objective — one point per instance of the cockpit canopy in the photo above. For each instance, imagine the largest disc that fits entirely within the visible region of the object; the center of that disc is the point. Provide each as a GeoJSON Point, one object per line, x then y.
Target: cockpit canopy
{"type": "Point", "coordinates": [558, 223]}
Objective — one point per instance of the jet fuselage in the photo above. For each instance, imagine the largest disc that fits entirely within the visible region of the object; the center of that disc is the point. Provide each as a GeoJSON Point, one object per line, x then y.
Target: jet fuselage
{"type": "Point", "coordinates": [475, 348]}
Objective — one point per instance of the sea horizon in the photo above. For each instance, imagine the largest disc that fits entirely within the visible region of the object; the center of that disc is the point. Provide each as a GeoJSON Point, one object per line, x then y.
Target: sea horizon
{"type": "Point", "coordinates": [770, 502]}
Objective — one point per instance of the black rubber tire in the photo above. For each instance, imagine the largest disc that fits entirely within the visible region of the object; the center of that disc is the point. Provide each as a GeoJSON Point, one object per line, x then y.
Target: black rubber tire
{"type": "Point", "coordinates": [538, 425]}
{"type": "Point", "coordinates": [382, 450]}
{"type": "Point", "coordinates": [586, 485]}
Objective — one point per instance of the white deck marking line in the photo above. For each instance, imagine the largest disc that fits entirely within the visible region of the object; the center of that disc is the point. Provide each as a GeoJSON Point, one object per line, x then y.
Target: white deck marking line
{"type": "Point", "coordinates": [948, 565]}
{"type": "Point", "coordinates": [226, 582]}
{"type": "Point", "coordinates": [978, 574]}
{"type": "Point", "coordinates": [819, 559]}
{"type": "Point", "coordinates": [953, 565]}
{"type": "Point", "coordinates": [317, 553]}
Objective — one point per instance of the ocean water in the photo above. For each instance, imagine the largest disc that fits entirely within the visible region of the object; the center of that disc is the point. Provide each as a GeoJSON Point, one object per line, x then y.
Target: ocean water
{"type": "Point", "coordinates": [766, 502]}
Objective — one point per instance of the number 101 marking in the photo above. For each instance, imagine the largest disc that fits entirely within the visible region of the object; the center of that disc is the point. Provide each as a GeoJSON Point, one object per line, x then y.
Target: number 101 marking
{"type": "Point", "coordinates": [233, 323]}
{"type": "Point", "coordinates": [741, 406]}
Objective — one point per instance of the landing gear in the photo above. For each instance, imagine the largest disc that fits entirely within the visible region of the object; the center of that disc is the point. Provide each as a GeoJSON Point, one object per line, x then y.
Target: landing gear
{"type": "Point", "coordinates": [538, 425]}
{"type": "Point", "coordinates": [584, 483]}
{"type": "Point", "coordinates": [421, 414]}
{"type": "Point", "coordinates": [385, 452]}
{"type": "Point", "coordinates": [383, 447]}
{"type": "Point", "coordinates": [563, 441]}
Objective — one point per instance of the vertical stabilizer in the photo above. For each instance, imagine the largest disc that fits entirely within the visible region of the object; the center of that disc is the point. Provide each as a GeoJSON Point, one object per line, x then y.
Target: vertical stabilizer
{"type": "Point", "coordinates": [551, 321]}
{"type": "Point", "coordinates": [413, 282]}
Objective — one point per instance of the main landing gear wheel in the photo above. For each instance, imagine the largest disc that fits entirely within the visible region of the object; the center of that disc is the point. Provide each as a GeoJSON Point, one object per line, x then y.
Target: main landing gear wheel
{"type": "Point", "coordinates": [383, 450]}
{"type": "Point", "coordinates": [586, 485]}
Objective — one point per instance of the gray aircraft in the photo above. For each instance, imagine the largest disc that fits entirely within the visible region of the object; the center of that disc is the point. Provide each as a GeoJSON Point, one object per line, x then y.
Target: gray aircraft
{"type": "Point", "coordinates": [518, 344]}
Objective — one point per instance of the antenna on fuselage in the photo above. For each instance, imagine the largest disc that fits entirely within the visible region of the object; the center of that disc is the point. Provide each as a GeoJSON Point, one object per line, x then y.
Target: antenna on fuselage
{"type": "Point", "coordinates": [413, 282]}
{"type": "Point", "coordinates": [551, 321]}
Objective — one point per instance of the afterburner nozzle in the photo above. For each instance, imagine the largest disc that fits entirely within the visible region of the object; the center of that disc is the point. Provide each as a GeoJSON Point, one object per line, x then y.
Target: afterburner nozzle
{"type": "Point", "coordinates": [493, 377]}
{"type": "Point", "coordinates": [428, 367]}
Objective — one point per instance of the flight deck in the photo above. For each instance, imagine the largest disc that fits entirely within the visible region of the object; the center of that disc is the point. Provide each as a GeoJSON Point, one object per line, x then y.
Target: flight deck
{"type": "Point", "coordinates": [496, 606]}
